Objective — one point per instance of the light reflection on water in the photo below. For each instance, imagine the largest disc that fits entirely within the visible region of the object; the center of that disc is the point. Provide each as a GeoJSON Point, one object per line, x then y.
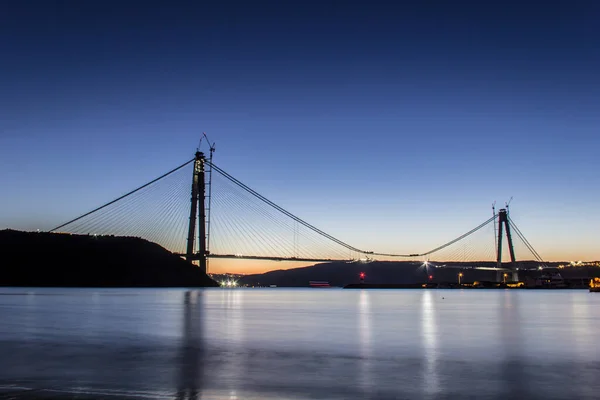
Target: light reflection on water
{"type": "Point", "coordinates": [364, 345]}
{"type": "Point", "coordinates": [300, 344]}
{"type": "Point", "coordinates": [429, 337]}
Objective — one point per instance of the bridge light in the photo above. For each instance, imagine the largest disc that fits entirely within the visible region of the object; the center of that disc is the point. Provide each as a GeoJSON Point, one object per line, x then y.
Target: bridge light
{"type": "Point", "coordinates": [362, 275]}
{"type": "Point", "coordinates": [430, 277]}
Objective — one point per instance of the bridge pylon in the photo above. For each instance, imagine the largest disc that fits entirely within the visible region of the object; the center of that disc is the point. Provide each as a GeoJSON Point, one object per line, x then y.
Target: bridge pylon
{"type": "Point", "coordinates": [198, 214]}
{"type": "Point", "coordinates": [503, 223]}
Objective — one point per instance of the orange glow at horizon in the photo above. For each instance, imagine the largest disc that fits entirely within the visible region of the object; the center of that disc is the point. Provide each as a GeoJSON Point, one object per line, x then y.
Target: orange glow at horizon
{"type": "Point", "coordinates": [247, 267]}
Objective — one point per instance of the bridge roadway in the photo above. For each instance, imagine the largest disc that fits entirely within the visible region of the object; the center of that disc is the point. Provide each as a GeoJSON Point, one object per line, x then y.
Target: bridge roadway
{"type": "Point", "coordinates": [348, 261]}
{"type": "Point", "coordinates": [266, 258]}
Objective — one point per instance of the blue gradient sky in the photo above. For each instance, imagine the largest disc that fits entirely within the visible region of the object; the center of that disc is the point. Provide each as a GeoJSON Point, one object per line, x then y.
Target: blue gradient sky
{"type": "Point", "coordinates": [377, 122]}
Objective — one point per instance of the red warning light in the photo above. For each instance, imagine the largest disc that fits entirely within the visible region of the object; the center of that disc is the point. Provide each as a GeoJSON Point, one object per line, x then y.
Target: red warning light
{"type": "Point", "coordinates": [362, 275]}
{"type": "Point", "coordinates": [430, 277]}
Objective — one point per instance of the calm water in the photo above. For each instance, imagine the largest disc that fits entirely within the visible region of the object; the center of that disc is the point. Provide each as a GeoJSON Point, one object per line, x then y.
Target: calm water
{"type": "Point", "coordinates": [299, 344]}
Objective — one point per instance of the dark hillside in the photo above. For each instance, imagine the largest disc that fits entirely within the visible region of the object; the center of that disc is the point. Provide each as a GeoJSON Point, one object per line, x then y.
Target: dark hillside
{"type": "Point", "coordinates": [52, 259]}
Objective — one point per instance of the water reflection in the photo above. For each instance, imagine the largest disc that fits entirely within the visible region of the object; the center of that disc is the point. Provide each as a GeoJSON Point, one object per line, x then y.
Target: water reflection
{"type": "Point", "coordinates": [583, 339]}
{"type": "Point", "coordinates": [364, 334]}
{"type": "Point", "coordinates": [581, 323]}
{"type": "Point", "coordinates": [512, 371]}
{"type": "Point", "coordinates": [191, 358]}
{"type": "Point", "coordinates": [303, 344]}
{"type": "Point", "coordinates": [234, 355]}
{"type": "Point", "coordinates": [430, 343]}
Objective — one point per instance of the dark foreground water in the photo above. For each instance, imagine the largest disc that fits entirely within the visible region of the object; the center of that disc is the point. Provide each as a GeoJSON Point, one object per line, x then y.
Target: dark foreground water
{"type": "Point", "coordinates": [299, 344]}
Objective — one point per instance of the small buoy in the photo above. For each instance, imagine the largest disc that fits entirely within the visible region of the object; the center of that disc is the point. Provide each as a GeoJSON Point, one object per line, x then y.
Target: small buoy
{"type": "Point", "coordinates": [443, 297]}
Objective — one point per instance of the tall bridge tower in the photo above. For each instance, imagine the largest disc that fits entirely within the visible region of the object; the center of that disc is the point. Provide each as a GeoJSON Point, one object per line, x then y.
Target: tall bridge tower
{"type": "Point", "coordinates": [198, 214]}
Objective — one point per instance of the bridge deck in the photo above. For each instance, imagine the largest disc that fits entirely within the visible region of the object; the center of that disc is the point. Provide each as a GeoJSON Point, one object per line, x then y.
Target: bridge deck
{"type": "Point", "coordinates": [270, 258]}
{"type": "Point", "coordinates": [266, 258]}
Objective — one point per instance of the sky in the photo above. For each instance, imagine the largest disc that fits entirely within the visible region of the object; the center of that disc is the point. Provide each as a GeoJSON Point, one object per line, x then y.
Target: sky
{"type": "Point", "coordinates": [380, 123]}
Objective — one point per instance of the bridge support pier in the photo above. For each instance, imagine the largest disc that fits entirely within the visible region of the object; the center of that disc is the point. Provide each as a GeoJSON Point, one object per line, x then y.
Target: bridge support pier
{"type": "Point", "coordinates": [198, 214]}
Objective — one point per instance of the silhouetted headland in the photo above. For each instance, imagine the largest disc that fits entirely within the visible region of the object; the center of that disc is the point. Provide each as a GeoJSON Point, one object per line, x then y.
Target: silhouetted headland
{"type": "Point", "coordinates": [63, 260]}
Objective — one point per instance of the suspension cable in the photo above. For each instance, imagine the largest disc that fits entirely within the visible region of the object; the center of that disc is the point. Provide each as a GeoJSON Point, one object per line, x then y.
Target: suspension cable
{"type": "Point", "coordinates": [334, 239]}
{"type": "Point", "coordinates": [459, 238]}
{"type": "Point", "coordinates": [285, 212]}
{"type": "Point", "coordinates": [122, 197]}
{"type": "Point", "coordinates": [524, 239]}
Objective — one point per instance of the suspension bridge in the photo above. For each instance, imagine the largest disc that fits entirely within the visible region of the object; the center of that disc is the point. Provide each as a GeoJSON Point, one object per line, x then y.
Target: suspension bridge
{"type": "Point", "coordinates": [221, 217]}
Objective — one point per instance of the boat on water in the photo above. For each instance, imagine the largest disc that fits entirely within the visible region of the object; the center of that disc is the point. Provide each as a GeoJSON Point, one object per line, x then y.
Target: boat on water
{"type": "Point", "coordinates": [595, 285]}
{"type": "Point", "coordinates": [319, 284]}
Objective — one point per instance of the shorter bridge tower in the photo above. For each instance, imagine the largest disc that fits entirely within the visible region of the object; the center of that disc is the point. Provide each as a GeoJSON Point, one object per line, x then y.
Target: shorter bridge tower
{"type": "Point", "coordinates": [503, 224]}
